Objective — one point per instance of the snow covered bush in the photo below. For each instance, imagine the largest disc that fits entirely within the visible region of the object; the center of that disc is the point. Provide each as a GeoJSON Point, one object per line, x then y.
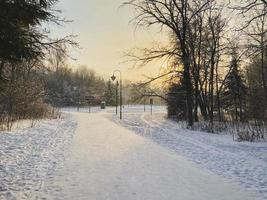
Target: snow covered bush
{"type": "Point", "coordinates": [249, 131]}
{"type": "Point", "coordinates": [22, 99]}
{"type": "Point", "coordinates": [176, 104]}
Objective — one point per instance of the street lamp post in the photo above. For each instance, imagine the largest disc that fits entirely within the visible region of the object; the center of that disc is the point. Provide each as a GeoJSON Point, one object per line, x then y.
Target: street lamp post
{"type": "Point", "coordinates": [117, 85]}
{"type": "Point", "coordinates": [113, 77]}
{"type": "Point", "coordinates": [144, 104]}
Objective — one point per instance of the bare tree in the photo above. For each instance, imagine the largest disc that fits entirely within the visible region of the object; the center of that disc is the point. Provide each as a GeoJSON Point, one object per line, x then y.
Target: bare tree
{"type": "Point", "coordinates": [248, 8]}
{"type": "Point", "coordinates": [257, 42]}
{"type": "Point", "coordinates": [176, 16]}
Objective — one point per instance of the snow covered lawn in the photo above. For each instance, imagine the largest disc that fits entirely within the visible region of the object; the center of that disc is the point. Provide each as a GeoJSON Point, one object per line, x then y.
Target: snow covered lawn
{"type": "Point", "coordinates": [29, 157]}
{"type": "Point", "coordinates": [244, 163]}
{"type": "Point", "coordinates": [109, 162]}
{"type": "Point", "coordinates": [87, 156]}
{"type": "Point", "coordinates": [86, 109]}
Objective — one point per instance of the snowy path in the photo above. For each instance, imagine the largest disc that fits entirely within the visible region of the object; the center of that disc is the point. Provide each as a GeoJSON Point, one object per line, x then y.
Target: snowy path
{"type": "Point", "coordinates": [111, 162]}
{"type": "Point", "coordinates": [241, 162]}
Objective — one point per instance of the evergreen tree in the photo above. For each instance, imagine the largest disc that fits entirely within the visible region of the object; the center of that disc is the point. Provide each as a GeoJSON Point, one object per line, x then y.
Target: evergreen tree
{"type": "Point", "coordinates": [19, 36]}
{"type": "Point", "coordinates": [176, 103]}
{"type": "Point", "coordinates": [257, 103]}
{"type": "Point", "coordinates": [109, 95]}
{"type": "Point", "coordinates": [234, 95]}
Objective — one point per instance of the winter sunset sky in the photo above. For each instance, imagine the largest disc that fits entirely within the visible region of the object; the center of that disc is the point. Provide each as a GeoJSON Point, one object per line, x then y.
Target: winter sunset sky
{"type": "Point", "coordinates": [105, 34]}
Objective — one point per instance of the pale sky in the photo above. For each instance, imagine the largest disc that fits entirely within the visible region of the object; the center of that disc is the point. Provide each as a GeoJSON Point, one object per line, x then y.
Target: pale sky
{"type": "Point", "coordinates": [104, 34]}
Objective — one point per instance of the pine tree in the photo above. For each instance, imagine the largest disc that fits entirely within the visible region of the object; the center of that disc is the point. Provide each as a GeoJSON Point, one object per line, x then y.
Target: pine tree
{"type": "Point", "coordinates": [19, 37]}
{"type": "Point", "coordinates": [176, 103]}
{"type": "Point", "coordinates": [109, 94]}
{"type": "Point", "coordinates": [234, 95]}
{"type": "Point", "coordinates": [257, 103]}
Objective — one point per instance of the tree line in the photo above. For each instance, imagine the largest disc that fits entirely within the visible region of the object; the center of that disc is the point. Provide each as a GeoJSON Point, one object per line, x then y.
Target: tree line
{"type": "Point", "coordinates": [24, 45]}
{"type": "Point", "coordinates": [34, 74]}
{"type": "Point", "coordinates": [216, 59]}
{"type": "Point", "coordinates": [67, 85]}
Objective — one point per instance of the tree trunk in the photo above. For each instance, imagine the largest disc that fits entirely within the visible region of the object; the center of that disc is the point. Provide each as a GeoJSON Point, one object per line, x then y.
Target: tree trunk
{"type": "Point", "coordinates": [1, 68]}
{"type": "Point", "coordinates": [263, 70]}
{"type": "Point", "coordinates": [236, 112]}
{"type": "Point", "coordinates": [188, 86]}
{"type": "Point", "coordinates": [196, 101]}
{"type": "Point", "coordinates": [240, 110]}
{"type": "Point", "coordinates": [196, 90]}
{"type": "Point", "coordinates": [202, 106]}
{"type": "Point", "coordinates": [218, 96]}
{"type": "Point", "coordinates": [211, 86]}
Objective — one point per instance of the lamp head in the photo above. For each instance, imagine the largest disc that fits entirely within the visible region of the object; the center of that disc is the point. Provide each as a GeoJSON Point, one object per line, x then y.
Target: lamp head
{"type": "Point", "coordinates": [113, 78]}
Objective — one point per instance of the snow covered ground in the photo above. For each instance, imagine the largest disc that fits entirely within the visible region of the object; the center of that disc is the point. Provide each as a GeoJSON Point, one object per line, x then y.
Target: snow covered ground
{"type": "Point", "coordinates": [30, 156]}
{"type": "Point", "coordinates": [86, 109]}
{"type": "Point", "coordinates": [244, 163]}
{"type": "Point", "coordinates": [108, 161]}
{"type": "Point", "coordinates": [88, 156]}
